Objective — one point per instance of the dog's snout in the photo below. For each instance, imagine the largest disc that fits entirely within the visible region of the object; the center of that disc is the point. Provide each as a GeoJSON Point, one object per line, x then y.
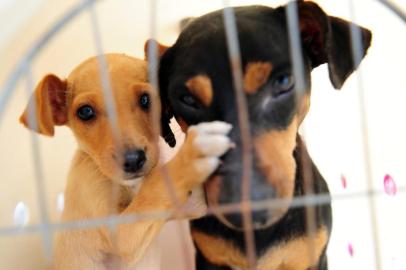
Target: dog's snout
{"type": "Point", "coordinates": [134, 160]}
{"type": "Point", "coordinates": [259, 218]}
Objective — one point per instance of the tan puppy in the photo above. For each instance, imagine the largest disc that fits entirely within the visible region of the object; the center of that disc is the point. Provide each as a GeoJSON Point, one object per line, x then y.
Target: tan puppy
{"type": "Point", "coordinates": [115, 167]}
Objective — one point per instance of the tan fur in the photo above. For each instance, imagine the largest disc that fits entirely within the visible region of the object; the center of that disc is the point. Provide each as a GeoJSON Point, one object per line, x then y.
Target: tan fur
{"type": "Point", "coordinates": [212, 188]}
{"type": "Point", "coordinates": [289, 255]}
{"type": "Point", "coordinates": [48, 116]}
{"type": "Point", "coordinates": [183, 125]}
{"type": "Point", "coordinates": [200, 86]}
{"type": "Point", "coordinates": [275, 154]}
{"type": "Point", "coordinates": [295, 254]}
{"type": "Point", "coordinates": [218, 251]}
{"type": "Point", "coordinates": [256, 75]}
{"type": "Point", "coordinates": [94, 187]}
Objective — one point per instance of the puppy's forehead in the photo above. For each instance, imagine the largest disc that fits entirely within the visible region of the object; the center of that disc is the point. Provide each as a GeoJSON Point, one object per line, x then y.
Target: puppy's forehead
{"type": "Point", "coordinates": [262, 39]}
{"type": "Point", "coordinates": [123, 72]}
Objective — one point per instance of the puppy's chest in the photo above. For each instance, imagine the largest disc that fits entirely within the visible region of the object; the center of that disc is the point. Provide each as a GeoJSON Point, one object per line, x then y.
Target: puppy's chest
{"type": "Point", "coordinates": [299, 253]}
{"type": "Point", "coordinates": [124, 198]}
{"type": "Point", "coordinates": [112, 262]}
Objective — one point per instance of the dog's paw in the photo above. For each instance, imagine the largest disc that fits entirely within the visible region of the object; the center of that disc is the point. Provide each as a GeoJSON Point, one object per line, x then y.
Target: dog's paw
{"type": "Point", "coordinates": [209, 141]}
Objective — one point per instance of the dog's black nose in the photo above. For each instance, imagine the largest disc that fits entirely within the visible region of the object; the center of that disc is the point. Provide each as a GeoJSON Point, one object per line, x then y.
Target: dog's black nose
{"type": "Point", "coordinates": [134, 160]}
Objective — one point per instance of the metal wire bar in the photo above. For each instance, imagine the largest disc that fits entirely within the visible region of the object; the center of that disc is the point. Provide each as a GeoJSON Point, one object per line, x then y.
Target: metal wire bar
{"type": "Point", "coordinates": [44, 227]}
{"type": "Point", "coordinates": [357, 54]}
{"type": "Point", "coordinates": [107, 97]}
{"type": "Point", "coordinates": [243, 120]}
{"type": "Point", "coordinates": [104, 75]}
{"type": "Point", "coordinates": [295, 46]}
{"type": "Point", "coordinates": [108, 101]}
{"type": "Point", "coordinates": [394, 8]}
{"type": "Point", "coordinates": [19, 70]}
{"type": "Point", "coordinates": [153, 60]}
{"type": "Point", "coordinates": [296, 202]}
{"type": "Point", "coordinates": [296, 56]}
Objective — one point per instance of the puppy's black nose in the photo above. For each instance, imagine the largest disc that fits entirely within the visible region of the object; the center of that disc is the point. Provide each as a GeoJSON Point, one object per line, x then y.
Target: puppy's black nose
{"type": "Point", "coordinates": [134, 160]}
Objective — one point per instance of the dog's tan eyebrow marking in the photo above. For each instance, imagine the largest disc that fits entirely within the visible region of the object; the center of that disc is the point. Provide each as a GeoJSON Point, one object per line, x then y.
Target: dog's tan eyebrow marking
{"type": "Point", "coordinates": [200, 86]}
{"type": "Point", "coordinates": [256, 75]}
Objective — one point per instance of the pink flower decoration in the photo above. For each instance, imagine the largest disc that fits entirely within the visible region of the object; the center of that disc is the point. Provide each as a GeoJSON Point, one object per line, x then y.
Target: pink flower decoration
{"type": "Point", "coordinates": [350, 249]}
{"type": "Point", "coordinates": [389, 185]}
{"type": "Point", "coordinates": [343, 181]}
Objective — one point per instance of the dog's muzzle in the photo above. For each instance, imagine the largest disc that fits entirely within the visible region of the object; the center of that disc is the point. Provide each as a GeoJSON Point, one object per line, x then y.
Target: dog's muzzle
{"type": "Point", "coordinates": [225, 188]}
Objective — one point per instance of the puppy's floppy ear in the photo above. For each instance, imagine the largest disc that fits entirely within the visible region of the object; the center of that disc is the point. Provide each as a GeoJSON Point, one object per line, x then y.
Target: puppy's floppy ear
{"type": "Point", "coordinates": [166, 130]}
{"type": "Point", "coordinates": [166, 111]}
{"type": "Point", "coordinates": [327, 39]}
{"type": "Point", "coordinates": [47, 106]}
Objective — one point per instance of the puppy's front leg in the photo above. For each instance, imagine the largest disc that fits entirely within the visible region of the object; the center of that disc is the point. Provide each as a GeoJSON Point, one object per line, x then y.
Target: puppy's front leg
{"type": "Point", "coordinates": [196, 160]}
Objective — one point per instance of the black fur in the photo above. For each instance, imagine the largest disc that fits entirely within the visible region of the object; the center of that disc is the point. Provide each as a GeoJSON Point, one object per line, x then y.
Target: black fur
{"type": "Point", "coordinates": [290, 226]}
{"type": "Point", "coordinates": [262, 32]}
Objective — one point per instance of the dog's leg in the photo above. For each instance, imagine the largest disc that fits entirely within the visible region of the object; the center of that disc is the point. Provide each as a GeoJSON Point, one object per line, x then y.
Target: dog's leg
{"type": "Point", "coordinates": [196, 160]}
{"type": "Point", "coordinates": [203, 264]}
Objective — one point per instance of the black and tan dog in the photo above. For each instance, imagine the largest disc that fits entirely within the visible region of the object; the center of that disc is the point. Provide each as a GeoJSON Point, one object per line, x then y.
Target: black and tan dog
{"type": "Point", "coordinates": [196, 86]}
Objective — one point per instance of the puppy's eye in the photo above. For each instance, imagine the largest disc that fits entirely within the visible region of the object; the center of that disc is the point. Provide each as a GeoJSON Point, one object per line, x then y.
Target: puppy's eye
{"type": "Point", "coordinates": [145, 101]}
{"type": "Point", "coordinates": [86, 113]}
{"type": "Point", "coordinates": [189, 100]}
{"type": "Point", "coordinates": [283, 84]}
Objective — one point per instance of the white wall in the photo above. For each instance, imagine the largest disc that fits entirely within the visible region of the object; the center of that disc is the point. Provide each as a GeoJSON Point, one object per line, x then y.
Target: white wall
{"type": "Point", "coordinates": [332, 127]}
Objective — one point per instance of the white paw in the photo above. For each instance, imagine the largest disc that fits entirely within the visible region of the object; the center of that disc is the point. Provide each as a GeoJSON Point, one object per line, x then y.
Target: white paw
{"type": "Point", "coordinates": [207, 165]}
{"type": "Point", "coordinates": [215, 127]}
{"type": "Point", "coordinates": [212, 145]}
{"type": "Point", "coordinates": [211, 138]}
{"type": "Point", "coordinates": [212, 142]}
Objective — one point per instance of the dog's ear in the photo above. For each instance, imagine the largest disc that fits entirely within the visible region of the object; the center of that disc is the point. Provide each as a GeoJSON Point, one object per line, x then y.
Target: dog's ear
{"type": "Point", "coordinates": [327, 39]}
{"type": "Point", "coordinates": [166, 111]}
{"type": "Point", "coordinates": [47, 106]}
{"type": "Point", "coordinates": [152, 42]}
{"type": "Point", "coordinates": [165, 67]}
{"type": "Point", "coordinates": [166, 130]}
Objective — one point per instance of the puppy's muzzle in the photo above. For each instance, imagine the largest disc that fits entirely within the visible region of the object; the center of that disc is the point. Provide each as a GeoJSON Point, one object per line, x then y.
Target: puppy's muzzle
{"type": "Point", "coordinates": [225, 188]}
{"type": "Point", "coordinates": [134, 161]}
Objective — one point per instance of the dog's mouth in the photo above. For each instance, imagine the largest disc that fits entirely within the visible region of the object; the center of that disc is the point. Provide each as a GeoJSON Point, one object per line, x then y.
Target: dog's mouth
{"type": "Point", "coordinates": [132, 179]}
{"type": "Point", "coordinates": [134, 182]}
{"type": "Point", "coordinates": [132, 176]}
{"type": "Point", "coordinates": [216, 189]}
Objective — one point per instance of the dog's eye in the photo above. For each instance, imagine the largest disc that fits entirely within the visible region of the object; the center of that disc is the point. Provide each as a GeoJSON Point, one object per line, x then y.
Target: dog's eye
{"type": "Point", "coordinates": [283, 83]}
{"type": "Point", "coordinates": [86, 113]}
{"type": "Point", "coordinates": [189, 100]}
{"type": "Point", "coordinates": [145, 101]}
